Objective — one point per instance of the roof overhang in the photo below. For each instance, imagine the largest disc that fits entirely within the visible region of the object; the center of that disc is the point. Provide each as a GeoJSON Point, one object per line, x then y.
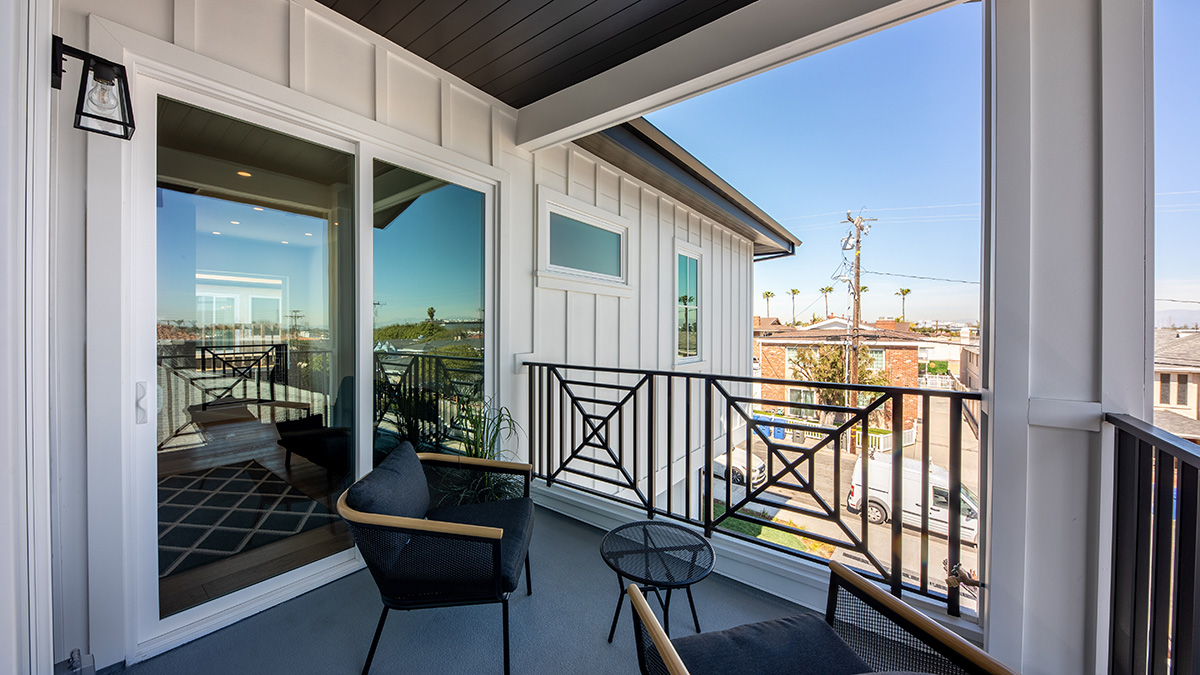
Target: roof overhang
{"type": "Point", "coordinates": [641, 150]}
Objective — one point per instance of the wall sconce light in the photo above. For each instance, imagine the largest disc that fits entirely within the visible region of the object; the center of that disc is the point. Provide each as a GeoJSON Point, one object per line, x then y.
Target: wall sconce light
{"type": "Point", "coordinates": [103, 105]}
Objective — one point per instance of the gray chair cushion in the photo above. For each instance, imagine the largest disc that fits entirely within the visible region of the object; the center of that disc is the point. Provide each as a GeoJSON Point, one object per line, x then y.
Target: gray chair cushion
{"type": "Point", "coordinates": [396, 487]}
{"type": "Point", "coordinates": [795, 645]}
{"type": "Point", "coordinates": [514, 516]}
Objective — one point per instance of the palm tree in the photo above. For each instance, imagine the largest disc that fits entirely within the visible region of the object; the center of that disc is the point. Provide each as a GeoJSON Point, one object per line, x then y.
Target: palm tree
{"type": "Point", "coordinates": [903, 292]}
{"type": "Point", "coordinates": [825, 292]}
{"type": "Point", "coordinates": [794, 292]}
{"type": "Point", "coordinates": [767, 295]}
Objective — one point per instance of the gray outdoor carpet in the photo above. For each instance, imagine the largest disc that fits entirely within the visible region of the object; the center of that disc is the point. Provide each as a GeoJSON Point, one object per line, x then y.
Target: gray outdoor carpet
{"type": "Point", "coordinates": [561, 629]}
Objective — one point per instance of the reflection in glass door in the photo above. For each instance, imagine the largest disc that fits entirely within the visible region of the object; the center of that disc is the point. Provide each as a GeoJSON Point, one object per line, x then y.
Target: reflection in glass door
{"type": "Point", "coordinates": [255, 306]}
{"type": "Point", "coordinates": [428, 309]}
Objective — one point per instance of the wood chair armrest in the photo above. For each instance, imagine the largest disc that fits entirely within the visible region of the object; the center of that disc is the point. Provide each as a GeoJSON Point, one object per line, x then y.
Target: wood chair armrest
{"type": "Point", "coordinates": [650, 623]}
{"type": "Point", "coordinates": [475, 462]}
{"type": "Point", "coordinates": [416, 524]}
{"type": "Point", "coordinates": [983, 661]}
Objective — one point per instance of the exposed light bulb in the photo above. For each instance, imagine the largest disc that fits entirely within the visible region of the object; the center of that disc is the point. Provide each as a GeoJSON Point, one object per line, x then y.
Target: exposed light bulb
{"type": "Point", "coordinates": [103, 94]}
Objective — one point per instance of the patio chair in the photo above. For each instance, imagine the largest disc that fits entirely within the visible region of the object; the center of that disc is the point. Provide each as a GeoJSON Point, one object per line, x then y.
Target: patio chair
{"type": "Point", "coordinates": [450, 556]}
{"type": "Point", "coordinates": [864, 630]}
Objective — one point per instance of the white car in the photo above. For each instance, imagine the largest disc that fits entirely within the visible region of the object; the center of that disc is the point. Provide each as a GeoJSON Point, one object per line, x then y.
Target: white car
{"type": "Point", "coordinates": [721, 463]}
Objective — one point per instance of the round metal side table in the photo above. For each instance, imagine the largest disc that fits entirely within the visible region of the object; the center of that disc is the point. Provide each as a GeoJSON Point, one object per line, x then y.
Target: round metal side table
{"type": "Point", "coordinates": [658, 556]}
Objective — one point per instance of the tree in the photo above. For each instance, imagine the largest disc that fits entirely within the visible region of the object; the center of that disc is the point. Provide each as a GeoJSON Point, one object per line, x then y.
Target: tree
{"type": "Point", "coordinates": [430, 312]}
{"type": "Point", "coordinates": [825, 292]}
{"type": "Point", "coordinates": [903, 293]}
{"type": "Point", "coordinates": [767, 295]}
{"type": "Point", "coordinates": [794, 292]}
{"type": "Point", "coordinates": [827, 363]}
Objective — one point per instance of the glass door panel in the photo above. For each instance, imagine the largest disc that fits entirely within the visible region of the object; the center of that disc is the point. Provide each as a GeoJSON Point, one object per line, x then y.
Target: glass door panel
{"type": "Point", "coordinates": [428, 308]}
{"type": "Point", "coordinates": [255, 308]}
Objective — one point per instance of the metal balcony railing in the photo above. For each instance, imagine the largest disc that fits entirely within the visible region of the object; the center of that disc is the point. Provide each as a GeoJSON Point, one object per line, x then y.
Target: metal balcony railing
{"type": "Point", "coordinates": [698, 448]}
{"type": "Point", "coordinates": [1156, 534]}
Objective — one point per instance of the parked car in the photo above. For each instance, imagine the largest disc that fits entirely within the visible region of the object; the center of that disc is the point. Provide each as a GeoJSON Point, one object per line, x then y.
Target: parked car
{"type": "Point", "coordinates": [759, 475]}
{"type": "Point", "coordinates": [879, 500]}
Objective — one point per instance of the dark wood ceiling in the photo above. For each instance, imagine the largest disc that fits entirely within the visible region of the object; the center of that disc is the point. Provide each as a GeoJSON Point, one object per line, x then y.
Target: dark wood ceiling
{"type": "Point", "coordinates": [521, 51]}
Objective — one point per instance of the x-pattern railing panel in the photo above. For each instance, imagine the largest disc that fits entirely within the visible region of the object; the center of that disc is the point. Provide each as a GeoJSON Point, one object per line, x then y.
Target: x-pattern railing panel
{"type": "Point", "coordinates": [616, 433]}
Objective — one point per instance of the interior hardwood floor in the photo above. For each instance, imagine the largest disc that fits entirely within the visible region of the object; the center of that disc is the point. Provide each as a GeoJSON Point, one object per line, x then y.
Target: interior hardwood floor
{"type": "Point", "coordinates": [193, 587]}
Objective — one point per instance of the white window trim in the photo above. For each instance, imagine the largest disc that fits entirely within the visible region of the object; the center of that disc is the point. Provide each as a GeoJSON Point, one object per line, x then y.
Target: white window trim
{"type": "Point", "coordinates": [683, 247]}
{"type": "Point", "coordinates": [568, 278]}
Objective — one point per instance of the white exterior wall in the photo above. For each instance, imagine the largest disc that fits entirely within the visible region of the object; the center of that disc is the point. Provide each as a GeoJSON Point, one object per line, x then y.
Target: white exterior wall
{"type": "Point", "coordinates": [583, 323]}
{"type": "Point", "coordinates": [307, 64]}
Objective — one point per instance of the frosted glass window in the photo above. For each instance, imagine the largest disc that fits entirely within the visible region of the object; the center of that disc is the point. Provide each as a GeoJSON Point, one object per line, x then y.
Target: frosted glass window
{"type": "Point", "coordinates": [579, 246]}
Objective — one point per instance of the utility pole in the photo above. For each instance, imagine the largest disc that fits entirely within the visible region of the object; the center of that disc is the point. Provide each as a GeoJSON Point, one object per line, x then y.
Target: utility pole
{"type": "Point", "coordinates": [861, 227]}
{"type": "Point", "coordinates": [295, 315]}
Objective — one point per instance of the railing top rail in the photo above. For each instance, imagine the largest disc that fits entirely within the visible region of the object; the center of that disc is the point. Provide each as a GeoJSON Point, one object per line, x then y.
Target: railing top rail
{"type": "Point", "coordinates": [1166, 441]}
{"type": "Point", "coordinates": [943, 393]}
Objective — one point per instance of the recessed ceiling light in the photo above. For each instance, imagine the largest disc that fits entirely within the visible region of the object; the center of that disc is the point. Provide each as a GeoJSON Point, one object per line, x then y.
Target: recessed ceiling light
{"type": "Point", "coordinates": [308, 234]}
{"type": "Point", "coordinates": [283, 242]}
{"type": "Point", "coordinates": [235, 222]}
{"type": "Point", "coordinates": [244, 174]}
{"type": "Point", "coordinates": [258, 208]}
{"type": "Point", "coordinates": [215, 232]}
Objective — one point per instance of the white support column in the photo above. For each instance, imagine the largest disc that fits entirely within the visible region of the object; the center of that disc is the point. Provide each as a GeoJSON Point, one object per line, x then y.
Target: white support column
{"type": "Point", "coordinates": [1067, 258]}
{"type": "Point", "coordinates": [26, 623]}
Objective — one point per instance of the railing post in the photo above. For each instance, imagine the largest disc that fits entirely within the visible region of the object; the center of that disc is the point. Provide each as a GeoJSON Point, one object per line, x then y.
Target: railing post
{"type": "Point", "coordinates": [954, 526]}
{"type": "Point", "coordinates": [534, 448]}
{"type": "Point", "coordinates": [651, 458]}
{"type": "Point", "coordinates": [897, 494]}
{"type": "Point", "coordinates": [707, 480]}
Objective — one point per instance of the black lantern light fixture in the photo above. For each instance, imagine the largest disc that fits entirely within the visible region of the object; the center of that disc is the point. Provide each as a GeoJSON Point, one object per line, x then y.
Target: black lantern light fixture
{"type": "Point", "coordinates": [103, 105]}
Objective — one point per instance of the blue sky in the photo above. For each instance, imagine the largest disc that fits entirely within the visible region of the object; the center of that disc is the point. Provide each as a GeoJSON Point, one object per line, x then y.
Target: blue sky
{"type": "Point", "coordinates": [1176, 153]}
{"type": "Point", "coordinates": [432, 256]}
{"type": "Point", "coordinates": [890, 126]}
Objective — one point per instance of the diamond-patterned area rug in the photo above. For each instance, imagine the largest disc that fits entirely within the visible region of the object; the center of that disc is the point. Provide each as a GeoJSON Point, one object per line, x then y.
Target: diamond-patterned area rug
{"type": "Point", "coordinates": [208, 515]}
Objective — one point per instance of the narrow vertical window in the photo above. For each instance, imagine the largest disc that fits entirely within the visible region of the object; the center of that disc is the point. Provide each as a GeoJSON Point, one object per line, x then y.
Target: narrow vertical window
{"type": "Point", "coordinates": [1164, 388]}
{"type": "Point", "coordinates": [1181, 390]}
{"type": "Point", "coordinates": [688, 304]}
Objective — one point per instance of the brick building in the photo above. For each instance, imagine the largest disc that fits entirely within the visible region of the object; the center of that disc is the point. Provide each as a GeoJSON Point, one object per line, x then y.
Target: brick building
{"type": "Point", "coordinates": [892, 347]}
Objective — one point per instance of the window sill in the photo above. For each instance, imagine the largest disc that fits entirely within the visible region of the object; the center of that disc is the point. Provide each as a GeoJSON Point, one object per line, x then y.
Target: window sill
{"type": "Point", "coordinates": [562, 281]}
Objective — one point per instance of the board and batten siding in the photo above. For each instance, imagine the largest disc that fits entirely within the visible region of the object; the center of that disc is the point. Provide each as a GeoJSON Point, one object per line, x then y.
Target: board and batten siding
{"type": "Point", "coordinates": [636, 323]}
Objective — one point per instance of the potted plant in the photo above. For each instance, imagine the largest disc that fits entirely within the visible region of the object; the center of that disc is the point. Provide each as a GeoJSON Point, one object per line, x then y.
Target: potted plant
{"type": "Point", "coordinates": [485, 428]}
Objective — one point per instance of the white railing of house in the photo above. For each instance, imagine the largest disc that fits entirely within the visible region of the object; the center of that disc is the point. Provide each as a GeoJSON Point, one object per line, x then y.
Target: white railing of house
{"type": "Point", "coordinates": [929, 381]}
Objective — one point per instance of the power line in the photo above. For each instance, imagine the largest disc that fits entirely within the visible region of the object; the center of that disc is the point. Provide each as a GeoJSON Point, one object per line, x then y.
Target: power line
{"type": "Point", "coordinates": [916, 276]}
{"type": "Point", "coordinates": [890, 208]}
{"type": "Point", "coordinates": [1188, 302]}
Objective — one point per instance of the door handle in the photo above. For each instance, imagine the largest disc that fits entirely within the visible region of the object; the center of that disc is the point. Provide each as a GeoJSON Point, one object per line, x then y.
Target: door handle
{"type": "Point", "coordinates": [141, 414]}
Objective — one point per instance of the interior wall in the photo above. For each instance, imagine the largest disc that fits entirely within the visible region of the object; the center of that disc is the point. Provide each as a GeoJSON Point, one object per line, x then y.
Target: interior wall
{"type": "Point", "coordinates": [299, 54]}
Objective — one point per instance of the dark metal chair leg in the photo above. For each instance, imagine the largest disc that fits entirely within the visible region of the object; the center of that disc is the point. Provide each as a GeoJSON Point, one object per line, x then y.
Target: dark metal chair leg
{"type": "Point", "coordinates": [375, 642]}
{"type": "Point", "coordinates": [528, 579]}
{"type": "Point", "coordinates": [617, 614]}
{"type": "Point", "coordinates": [504, 605]}
{"type": "Point", "coordinates": [693, 604]}
{"type": "Point", "coordinates": [667, 615]}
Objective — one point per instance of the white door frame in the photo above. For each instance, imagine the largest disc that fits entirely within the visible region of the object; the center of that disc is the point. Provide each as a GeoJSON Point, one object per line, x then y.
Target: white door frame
{"type": "Point", "coordinates": [123, 600]}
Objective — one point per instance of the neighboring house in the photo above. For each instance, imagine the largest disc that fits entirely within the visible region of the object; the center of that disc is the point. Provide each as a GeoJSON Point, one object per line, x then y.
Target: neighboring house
{"type": "Point", "coordinates": [1176, 385]}
{"type": "Point", "coordinates": [970, 368]}
{"type": "Point", "coordinates": [892, 347]}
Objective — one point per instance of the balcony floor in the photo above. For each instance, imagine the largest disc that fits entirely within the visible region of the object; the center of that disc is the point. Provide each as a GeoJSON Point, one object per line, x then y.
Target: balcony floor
{"type": "Point", "coordinates": [561, 628]}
